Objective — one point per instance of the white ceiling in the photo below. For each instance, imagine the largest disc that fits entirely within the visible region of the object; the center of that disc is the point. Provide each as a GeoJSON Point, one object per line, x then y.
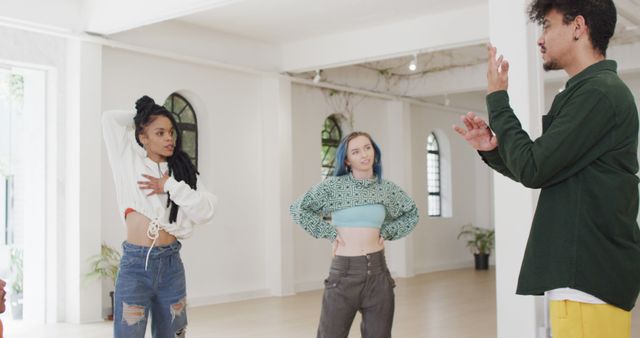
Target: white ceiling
{"type": "Point", "coordinates": [279, 21]}
{"type": "Point", "coordinates": [392, 76]}
{"type": "Point", "coordinates": [330, 34]}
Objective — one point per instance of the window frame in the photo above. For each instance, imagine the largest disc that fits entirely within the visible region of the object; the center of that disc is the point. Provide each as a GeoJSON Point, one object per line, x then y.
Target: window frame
{"type": "Point", "coordinates": [329, 143]}
{"type": "Point", "coordinates": [184, 126]}
{"type": "Point", "coordinates": [438, 158]}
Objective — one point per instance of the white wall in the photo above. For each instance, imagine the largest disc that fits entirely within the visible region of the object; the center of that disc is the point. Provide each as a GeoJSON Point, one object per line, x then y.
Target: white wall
{"type": "Point", "coordinates": [223, 260]}
{"type": "Point", "coordinates": [204, 43]}
{"type": "Point", "coordinates": [31, 50]}
{"type": "Point", "coordinates": [70, 93]}
{"type": "Point", "coordinates": [309, 109]}
{"type": "Point", "coordinates": [434, 242]}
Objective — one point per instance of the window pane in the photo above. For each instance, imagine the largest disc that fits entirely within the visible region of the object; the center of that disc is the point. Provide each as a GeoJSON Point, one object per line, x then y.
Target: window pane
{"type": "Point", "coordinates": [329, 157]}
{"type": "Point", "coordinates": [432, 143]}
{"type": "Point", "coordinates": [178, 106]}
{"type": "Point", "coordinates": [187, 116]}
{"type": "Point", "coordinates": [3, 209]}
{"type": "Point", "coordinates": [433, 176]}
{"type": "Point", "coordinates": [326, 172]}
{"type": "Point", "coordinates": [11, 110]}
{"type": "Point", "coordinates": [187, 123]}
{"type": "Point", "coordinates": [433, 173]}
{"type": "Point", "coordinates": [331, 135]}
{"type": "Point", "coordinates": [434, 205]}
{"type": "Point", "coordinates": [189, 143]}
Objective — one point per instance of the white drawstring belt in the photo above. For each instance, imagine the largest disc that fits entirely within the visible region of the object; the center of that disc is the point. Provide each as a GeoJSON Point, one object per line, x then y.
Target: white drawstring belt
{"type": "Point", "coordinates": [153, 232]}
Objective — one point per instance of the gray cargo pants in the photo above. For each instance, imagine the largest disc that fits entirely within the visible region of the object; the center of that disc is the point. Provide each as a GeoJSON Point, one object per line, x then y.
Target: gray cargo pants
{"type": "Point", "coordinates": [360, 283]}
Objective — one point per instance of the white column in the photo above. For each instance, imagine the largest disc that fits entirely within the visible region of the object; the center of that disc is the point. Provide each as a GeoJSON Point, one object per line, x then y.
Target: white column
{"type": "Point", "coordinates": [82, 174]}
{"type": "Point", "coordinates": [53, 246]}
{"type": "Point", "coordinates": [515, 38]}
{"type": "Point", "coordinates": [397, 167]}
{"type": "Point", "coordinates": [277, 154]}
{"type": "Point", "coordinates": [35, 221]}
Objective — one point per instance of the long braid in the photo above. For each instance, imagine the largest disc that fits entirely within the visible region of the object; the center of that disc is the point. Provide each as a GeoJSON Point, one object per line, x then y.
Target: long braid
{"type": "Point", "coordinates": [183, 170]}
{"type": "Point", "coordinates": [180, 166]}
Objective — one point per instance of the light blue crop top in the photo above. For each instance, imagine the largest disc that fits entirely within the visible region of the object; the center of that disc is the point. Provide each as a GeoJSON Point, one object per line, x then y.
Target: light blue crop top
{"type": "Point", "coordinates": [366, 216]}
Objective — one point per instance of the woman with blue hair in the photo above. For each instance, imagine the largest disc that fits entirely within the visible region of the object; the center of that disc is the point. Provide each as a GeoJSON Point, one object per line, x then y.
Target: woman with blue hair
{"type": "Point", "coordinates": [365, 211]}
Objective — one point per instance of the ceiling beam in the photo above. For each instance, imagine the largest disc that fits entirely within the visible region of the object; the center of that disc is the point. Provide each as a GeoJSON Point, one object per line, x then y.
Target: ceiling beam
{"type": "Point", "coordinates": [60, 16]}
{"type": "Point", "coordinates": [114, 16]}
{"type": "Point", "coordinates": [460, 79]}
{"type": "Point", "coordinates": [462, 27]}
{"type": "Point", "coordinates": [466, 79]}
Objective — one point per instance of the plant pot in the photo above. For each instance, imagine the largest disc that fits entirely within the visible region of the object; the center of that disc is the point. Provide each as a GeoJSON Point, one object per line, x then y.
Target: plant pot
{"type": "Point", "coordinates": [482, 261]}
{"type": "Point", "coordinates": [16, 306]}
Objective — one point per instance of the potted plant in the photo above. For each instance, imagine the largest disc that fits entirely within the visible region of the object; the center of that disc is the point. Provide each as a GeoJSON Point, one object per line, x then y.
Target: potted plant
{"type": "Point", "coordinates": [480, 242]}
{"type": "Point", "coordinates": [105, 265]}
{"type": "Point", "coordinates": [16, 268]}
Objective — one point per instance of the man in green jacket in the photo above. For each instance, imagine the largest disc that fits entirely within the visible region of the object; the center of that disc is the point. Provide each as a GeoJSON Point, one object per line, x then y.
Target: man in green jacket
{"type": "Point", "coordinates": [584, 245]}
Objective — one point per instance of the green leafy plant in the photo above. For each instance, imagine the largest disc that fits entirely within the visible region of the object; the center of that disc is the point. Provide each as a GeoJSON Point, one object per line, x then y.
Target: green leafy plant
{"type": "Point", "coordinates": [16, 268]}
{"type": "Point", "coordinates": [105, 265]}
{"type": "Point", "coordinates": [479, 240]}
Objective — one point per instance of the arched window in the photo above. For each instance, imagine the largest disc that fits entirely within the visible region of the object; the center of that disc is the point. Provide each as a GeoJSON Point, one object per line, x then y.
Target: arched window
{"type": "Point", "coordinates": [433, 176]}
{"type": "Point", "coordinates": [187, 123]}
{"type": "Point", "coordinates": [331, 136]}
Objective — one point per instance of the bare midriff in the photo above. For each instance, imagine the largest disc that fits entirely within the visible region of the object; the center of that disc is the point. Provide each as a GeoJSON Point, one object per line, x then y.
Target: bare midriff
{"type": "Point", "coordinates": [359, 241]}
{"type": "Point", "coordinates": [137, 226]}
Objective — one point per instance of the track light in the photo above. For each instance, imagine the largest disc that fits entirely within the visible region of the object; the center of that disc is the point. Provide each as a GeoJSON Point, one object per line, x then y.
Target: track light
{"type": "Point", "coordinates": [413, 65]}
{"type": "Point", "coordinates": [317, 78]}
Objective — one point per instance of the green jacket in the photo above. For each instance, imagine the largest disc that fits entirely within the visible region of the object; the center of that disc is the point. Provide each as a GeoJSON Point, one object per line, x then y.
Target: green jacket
{"type": "Point", "coordinates": [584, 233]}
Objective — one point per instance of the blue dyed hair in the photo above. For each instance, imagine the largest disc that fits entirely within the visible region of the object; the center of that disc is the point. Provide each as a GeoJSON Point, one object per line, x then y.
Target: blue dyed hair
{"type": "Point", "coordinates": [341, 156]}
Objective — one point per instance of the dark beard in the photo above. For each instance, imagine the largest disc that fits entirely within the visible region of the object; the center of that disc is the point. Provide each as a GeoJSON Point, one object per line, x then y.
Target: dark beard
{"type": "Point", "coordinates": [551, 65]}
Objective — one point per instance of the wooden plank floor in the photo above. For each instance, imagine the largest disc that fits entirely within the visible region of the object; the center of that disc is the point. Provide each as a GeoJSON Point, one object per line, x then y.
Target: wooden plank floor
{"type": "Point", "coordinates": [451, 304]}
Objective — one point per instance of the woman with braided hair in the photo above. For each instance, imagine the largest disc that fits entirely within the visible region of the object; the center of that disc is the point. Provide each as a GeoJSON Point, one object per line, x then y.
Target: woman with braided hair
{"type": "Point", "coordinates": [161, 199]}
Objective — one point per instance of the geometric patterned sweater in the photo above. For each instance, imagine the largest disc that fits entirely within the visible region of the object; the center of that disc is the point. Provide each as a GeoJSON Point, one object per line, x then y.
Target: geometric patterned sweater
{"type": "Point", "coordinates": [339, 192]}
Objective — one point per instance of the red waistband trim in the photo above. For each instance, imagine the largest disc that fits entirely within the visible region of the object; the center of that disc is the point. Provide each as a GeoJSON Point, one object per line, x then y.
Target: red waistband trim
{"type": "Point", "coordinates": [128, 211]}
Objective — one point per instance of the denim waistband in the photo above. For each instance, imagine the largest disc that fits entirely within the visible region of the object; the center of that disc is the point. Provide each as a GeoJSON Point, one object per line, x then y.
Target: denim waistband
{"type": "Point", "coordinates": [156, 251]}
{"type": "Point", "coordinates": [374, 262]}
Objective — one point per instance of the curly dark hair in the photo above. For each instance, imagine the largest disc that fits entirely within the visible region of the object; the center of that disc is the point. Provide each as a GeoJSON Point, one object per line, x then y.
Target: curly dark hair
{"type": "Point", "coordinates": [599, 15]}
{"type": "Point", "coordinates": [179, 163]}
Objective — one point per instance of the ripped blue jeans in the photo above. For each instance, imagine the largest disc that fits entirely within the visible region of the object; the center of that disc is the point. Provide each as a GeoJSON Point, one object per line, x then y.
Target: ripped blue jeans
{"type": "Point", "coordinates": [160, 291]}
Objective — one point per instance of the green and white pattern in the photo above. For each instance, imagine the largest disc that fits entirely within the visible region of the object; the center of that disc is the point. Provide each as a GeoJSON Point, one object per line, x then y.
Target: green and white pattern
{"type": "Point", "coordinates": [339, 192]}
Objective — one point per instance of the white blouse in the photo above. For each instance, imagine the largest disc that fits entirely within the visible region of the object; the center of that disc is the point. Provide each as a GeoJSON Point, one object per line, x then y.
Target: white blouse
{"type": "Point", "coordinates": [129, 161]}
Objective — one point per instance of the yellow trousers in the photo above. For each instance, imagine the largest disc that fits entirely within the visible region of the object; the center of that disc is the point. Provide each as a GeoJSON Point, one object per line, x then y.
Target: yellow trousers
{"type": "Point", "coordinates": [583, 320]}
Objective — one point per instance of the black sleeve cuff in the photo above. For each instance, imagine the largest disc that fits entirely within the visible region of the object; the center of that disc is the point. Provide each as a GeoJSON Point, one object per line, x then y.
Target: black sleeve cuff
{"type": "Point", "coordinates": [490, 156]}
{"type": "Point", "coordinates": [497, 100]}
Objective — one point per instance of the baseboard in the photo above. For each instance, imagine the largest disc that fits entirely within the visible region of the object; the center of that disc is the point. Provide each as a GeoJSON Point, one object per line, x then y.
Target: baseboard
{"type": "Point", "coordinates": [461, 264]}
{"type": "Point", "coordinates": [314, 285]}
{"type": "Point", "coordinates": [228, 297]}
{"type": "Point", "coordinates": [308, 286]}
